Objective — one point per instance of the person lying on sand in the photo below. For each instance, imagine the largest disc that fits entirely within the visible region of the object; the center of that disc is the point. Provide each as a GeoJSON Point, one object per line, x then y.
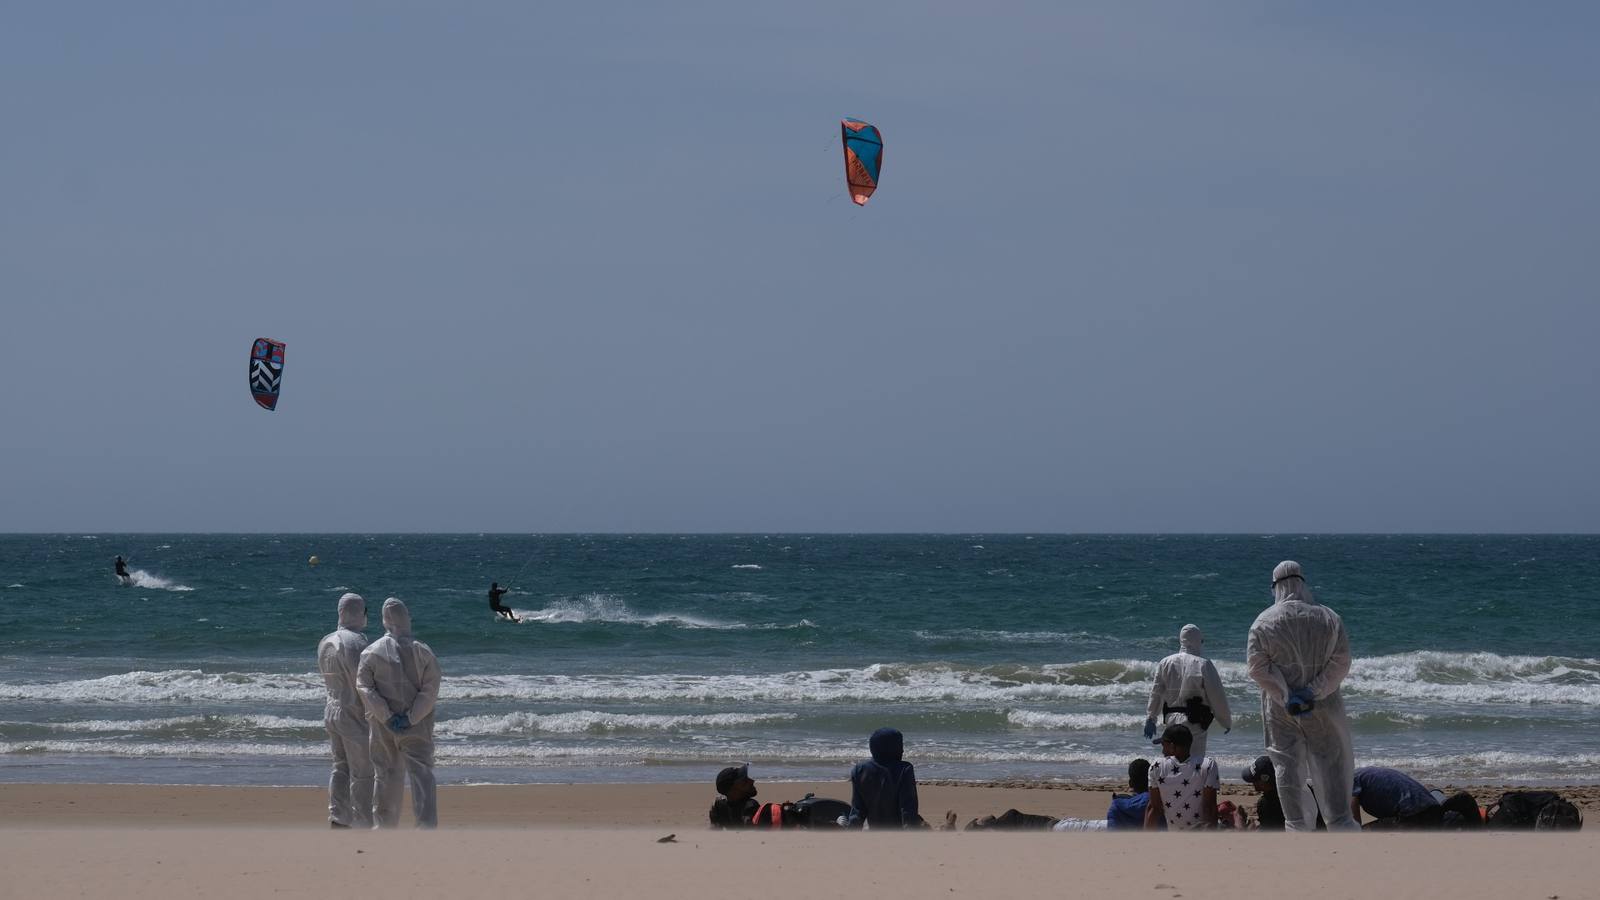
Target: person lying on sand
{"type": "Point", "coordinates": [737, 802]}
{"type": "Point", "coordinates": [1125, 813]}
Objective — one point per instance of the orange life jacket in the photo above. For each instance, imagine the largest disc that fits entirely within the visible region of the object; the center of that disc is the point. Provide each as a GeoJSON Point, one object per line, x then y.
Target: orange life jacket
{"type": "Point", "coordinates": [770, 815]}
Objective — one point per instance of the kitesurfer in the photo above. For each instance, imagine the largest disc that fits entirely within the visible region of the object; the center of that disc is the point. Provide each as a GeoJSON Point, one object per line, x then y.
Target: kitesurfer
{"type": "Point", "coordinates": [122, 570]}
{"type": "Point", "coordinates": [495, 593]}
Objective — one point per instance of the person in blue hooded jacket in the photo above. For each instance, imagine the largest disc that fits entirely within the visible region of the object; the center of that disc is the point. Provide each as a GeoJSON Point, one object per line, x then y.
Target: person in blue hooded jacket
{"type": "Point", "coordinates": [883, 789]}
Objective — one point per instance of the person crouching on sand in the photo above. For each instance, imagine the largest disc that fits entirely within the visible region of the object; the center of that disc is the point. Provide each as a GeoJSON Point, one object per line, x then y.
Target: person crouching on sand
{"type": "Point", "coordinates": [1183, 788]}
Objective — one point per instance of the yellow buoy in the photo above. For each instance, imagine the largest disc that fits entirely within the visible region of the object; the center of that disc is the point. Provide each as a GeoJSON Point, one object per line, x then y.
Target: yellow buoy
{"type": "Point", "coordinates": [313, 560]}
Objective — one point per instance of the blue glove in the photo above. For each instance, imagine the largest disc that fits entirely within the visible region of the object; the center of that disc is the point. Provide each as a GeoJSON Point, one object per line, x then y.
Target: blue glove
{"type": "Point", "coordinates": [1149, 729]}
{"type": "Point", "coordinates": [1300, 702]}
{"type": "Point", "coordinates": [399, 722]}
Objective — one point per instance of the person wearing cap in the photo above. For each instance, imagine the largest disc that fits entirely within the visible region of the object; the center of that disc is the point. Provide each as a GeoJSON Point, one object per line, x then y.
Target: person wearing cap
{"type": "Point", "coordinates": [737, 803]}
{"type": "Point", "coordinates": [1183, 787]}
{"type": "Point", "coordinates": [1187, 689]}
{"type": "Point", "coordinates": [1269, 810]}
{"type": "Point", "coordinates": [1299, 654]}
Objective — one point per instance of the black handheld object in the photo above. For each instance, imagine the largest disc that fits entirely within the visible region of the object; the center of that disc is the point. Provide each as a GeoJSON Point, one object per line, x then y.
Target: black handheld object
{"type": "Point", "coordinates": [1299, 706]}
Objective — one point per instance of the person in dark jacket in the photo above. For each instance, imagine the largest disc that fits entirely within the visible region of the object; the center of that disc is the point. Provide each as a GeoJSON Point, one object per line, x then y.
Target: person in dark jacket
{"type": "Point", "coordinates": [737, 802]}
{"type": "Point", "coordinates": [1269, 811]}
{"type": "Point", "coordinates": [883, 789]}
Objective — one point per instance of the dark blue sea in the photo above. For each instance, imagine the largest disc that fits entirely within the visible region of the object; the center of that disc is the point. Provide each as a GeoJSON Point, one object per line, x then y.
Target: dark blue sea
{"type": "Point", "coordinates": [664, 657]}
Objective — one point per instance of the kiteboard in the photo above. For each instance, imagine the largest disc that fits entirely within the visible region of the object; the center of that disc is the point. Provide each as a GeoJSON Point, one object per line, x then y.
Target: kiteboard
{"type": "Point", "coordinates": [125, 580]}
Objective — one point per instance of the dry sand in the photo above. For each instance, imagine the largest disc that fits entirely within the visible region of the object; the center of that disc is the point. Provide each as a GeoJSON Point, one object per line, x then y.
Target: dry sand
{"type": "Point", "coordinates": [147, 841]}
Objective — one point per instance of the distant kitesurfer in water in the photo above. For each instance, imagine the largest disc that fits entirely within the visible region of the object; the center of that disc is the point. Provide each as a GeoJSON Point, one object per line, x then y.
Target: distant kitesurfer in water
{"type": "Point", "coordinates": [122, 569]}
{"type": "Point", "coordinates": [495, 593]}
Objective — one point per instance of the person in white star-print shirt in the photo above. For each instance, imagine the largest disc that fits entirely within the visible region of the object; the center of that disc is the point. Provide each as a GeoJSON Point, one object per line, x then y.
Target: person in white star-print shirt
{"type": "Point", "coordinates": [1183, 789]}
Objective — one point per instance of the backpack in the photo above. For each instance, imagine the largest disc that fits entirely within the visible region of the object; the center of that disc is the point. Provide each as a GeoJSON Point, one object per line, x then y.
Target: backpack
{"type": "Point", "coordinates": [1520, 810]}
{"type": "Point", "coordinates": [812, 811]}
{"type": "Point", "coordinates": [1558, 815]}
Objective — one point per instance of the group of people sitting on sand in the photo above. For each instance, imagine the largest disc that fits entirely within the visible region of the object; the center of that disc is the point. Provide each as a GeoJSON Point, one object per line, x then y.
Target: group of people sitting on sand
{"type": "Point", "coordinates": [1178, 792]}
{"type": "Point", "coordinates": [1298, 654]}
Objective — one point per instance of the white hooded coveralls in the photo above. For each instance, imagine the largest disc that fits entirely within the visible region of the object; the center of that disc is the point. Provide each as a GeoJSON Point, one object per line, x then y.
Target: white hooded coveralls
{"type": "Point", "coordinates": [400, 674]}
{"type": "Point", "coordinates": [338, 655]}
{"type": "Point", "coordinates": [1299, 643]}
{"type": "Point", "coordinates": [1186, 674]}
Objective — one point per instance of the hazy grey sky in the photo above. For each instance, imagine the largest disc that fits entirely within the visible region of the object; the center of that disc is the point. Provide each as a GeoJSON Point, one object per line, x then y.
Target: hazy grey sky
{"type": "Point", "coordinates": [540, 267]}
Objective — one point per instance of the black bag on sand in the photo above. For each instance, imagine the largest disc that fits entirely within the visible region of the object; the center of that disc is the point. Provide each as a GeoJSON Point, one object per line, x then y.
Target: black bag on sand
{"type": "Point", "coordinates": [1460, 813]}
{"type": "Point", "coordinates": [1559, 815]}
{"type": "Point", "coordinates": [812, 811]}
{"type": "Point", "coordinates": [1522, 811]}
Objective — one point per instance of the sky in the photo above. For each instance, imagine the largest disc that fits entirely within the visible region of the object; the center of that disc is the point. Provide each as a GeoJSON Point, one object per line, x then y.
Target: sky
{"type": "Point", "coordinates": [545, 267]}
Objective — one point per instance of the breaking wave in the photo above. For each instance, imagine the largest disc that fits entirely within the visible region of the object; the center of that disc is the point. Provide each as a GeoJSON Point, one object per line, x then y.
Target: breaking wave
{"type": "Point", "coordinates": [593, 722]}
{"type": "Point", "coordinates": [1073, 721]}
{"type": "Point", "coordinates": [1469, 678]}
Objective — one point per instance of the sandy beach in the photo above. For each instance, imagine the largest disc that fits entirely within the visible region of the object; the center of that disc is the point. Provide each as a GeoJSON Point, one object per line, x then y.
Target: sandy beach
{"type": "Point", "coordinates": [147, 841]}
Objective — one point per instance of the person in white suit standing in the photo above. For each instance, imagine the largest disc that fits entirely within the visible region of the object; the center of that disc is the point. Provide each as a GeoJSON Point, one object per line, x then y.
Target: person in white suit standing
{"type": "Point", "coordinates": [399, 682]}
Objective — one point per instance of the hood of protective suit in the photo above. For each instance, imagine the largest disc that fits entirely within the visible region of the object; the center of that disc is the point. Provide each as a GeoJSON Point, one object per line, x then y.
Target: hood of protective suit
{"type": "Point", "coordinates": [352, 612]}
{"type": "Point", "coordinates": [397, 619]}
{"type": "Point", "coordinates": [888, 746]}
{"type": "Point", "coordinates": [1289, 584]}
{"type": "Point", "coordinates": [1190, 640]}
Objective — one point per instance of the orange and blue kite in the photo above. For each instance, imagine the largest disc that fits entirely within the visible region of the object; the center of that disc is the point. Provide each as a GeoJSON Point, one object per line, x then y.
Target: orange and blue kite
{"type": "Point", "coordinates": [863, 158]}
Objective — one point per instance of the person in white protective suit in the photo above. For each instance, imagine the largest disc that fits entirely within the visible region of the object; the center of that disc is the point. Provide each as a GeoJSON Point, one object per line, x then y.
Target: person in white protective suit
{"type": "Point", "coordinates": [1187, 690]}
{"type": "Point", "coordinates": [1298, 653]}
{"type": "Point", "coordinates": [338, 655]}
{"type": "Point", "coordinates": [399, 683]}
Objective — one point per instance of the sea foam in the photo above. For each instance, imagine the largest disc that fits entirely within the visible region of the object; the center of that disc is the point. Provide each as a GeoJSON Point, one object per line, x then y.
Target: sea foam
{"type": "Point", "coordinates": [605, 608]}
{"type": "Point", "coordinates": [141, 578]}
{"type": "Point", "coordinates": [1430, 677]}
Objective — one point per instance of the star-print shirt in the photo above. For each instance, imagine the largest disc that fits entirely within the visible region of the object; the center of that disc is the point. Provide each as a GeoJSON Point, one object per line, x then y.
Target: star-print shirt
{"type": "Point", "coordinates": [1182, 786]}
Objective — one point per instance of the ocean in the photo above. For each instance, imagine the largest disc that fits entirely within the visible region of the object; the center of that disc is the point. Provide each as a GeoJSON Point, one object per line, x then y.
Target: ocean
{"type": "Point", "coordinates": [665, 657]}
